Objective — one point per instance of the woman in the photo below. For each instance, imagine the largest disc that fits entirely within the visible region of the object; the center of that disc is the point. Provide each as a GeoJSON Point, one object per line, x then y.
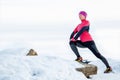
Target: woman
{"type": "Point", "coordinates": [86, 41]}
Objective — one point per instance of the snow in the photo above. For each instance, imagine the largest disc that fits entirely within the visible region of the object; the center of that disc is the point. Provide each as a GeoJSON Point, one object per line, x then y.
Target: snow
{"type": "Point", "coordinates": [15, 67]}
{"type": "Point", "coordinates": [48, 67]}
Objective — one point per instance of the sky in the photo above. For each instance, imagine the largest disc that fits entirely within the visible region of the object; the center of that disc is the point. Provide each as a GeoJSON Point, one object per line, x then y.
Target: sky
{"type": "Point", "coordinates": [49, 23]}
{"type": "Point", "coordinates": [56, 11]}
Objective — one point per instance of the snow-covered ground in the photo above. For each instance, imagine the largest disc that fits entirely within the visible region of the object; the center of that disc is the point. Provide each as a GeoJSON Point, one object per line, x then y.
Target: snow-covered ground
{"type": "Point", "coordinates": [14, 65]}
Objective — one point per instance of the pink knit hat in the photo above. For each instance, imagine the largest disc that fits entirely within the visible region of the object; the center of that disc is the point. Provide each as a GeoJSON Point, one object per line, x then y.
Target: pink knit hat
{"type": "Point", "coordinates": [83, 13]}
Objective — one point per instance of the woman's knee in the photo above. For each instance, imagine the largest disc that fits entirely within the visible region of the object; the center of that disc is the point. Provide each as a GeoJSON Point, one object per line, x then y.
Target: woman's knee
{"type": "Point", "coordinates": [72, 43]}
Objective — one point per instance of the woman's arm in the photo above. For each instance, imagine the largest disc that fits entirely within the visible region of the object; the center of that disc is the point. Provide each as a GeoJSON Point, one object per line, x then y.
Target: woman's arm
{"type": "Point", "coordinates": [85, 28]}
{"type": "Point", "coordinates": [72, 34]}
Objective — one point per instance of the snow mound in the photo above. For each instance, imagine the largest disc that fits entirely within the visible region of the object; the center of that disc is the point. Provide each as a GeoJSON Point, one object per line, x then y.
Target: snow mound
{"type": "Point", "coordinates": [37, 68]}
{"type": "Point", "coordinates": [48, 67]}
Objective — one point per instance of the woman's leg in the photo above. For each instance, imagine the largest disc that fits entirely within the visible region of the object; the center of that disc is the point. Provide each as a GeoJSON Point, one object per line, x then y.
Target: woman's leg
{"type": "Point", "coordinates": [74, 45]}
{"type": "Point", "coordinates": [91, 45]}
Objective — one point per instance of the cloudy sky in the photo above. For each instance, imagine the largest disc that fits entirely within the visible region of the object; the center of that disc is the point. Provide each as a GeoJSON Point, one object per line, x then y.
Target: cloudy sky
{"type": "Point", "coordinates": [56, 11]}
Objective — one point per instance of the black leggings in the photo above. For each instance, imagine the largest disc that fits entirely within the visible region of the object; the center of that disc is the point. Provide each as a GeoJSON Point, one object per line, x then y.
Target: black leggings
{"type": "Point", "coordinates": [90, 45]}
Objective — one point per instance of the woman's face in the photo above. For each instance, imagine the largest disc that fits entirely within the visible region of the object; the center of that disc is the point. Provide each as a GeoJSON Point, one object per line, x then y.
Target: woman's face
{"type": "Point", "coordinates": [82, 17]}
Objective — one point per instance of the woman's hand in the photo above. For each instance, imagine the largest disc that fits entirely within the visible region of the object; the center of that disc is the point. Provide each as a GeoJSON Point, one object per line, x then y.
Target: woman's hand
{"type": "Point", "coordinates": [73, 40]}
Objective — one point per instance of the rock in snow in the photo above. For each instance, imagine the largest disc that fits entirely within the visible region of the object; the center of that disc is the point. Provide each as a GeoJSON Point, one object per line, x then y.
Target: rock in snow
{"type": "Point", "coordinates": [88, 69]}
{"type": "Point", "coordinates": [32, 52]}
